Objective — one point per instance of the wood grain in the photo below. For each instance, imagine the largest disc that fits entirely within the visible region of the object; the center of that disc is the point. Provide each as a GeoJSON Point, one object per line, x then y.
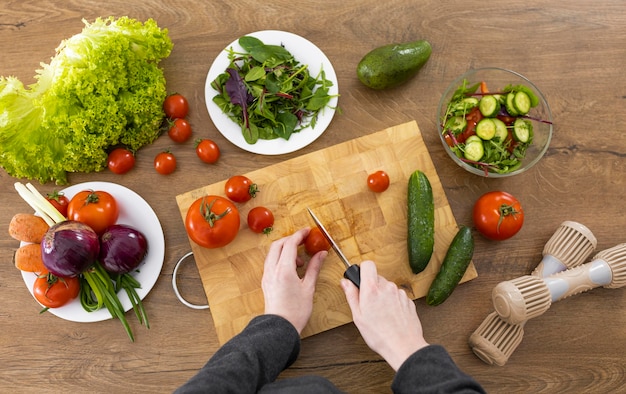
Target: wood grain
{"type": "Point", "coordinates": [366, 225]}
{"type": "Point", "coordinates": [572, 50]}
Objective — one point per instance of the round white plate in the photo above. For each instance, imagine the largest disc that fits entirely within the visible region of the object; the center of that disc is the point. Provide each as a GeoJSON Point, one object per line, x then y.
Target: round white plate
{"type": "Point", "coordinates": [136, 212]}
{"type": "Point", "coordinates": [305, 52]}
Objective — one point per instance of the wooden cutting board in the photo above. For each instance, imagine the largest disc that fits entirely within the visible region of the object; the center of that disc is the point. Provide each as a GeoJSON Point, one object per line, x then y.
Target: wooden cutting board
{"type": "Point", "coordinates": [366, 225]}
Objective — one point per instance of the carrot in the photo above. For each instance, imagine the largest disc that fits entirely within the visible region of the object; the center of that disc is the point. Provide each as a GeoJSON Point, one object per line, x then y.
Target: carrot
{"type": "Point", "coordinates": [28, 258]}
{"type": "Point", "coordinates": [27, 227]}
{"type": "Point", "coordinates": [483, 87]}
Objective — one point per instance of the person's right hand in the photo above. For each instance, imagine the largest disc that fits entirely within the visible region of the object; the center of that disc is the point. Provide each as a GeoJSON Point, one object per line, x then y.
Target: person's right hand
{"type": "Point", "coordinates": [385, 316]}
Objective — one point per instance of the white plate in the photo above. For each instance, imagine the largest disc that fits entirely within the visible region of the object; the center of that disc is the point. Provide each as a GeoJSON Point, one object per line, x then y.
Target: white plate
{"type": "Point", "coordinates": [305, 52]}
{"type": "Point", "coordinates": [136, 212]}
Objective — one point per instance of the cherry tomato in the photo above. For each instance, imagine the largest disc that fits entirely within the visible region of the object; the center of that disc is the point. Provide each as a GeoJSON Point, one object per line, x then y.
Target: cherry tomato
{"type": "Point", "coordinates": [97, 209]}
{"type": "Point", "coordinates": [261, 220]}
{"type": "Point", "coordinates": [207, 150]}
{"type": "Point", "coordinates": [179, 130]}
{"type": "Point", "coordinates": [212, 221]}
{"type": "Point", "coordinates": [121, 160]}
{"type": "Point", "coordinates": [315, 242]}
{"type": "Point", "coordinates": [59, 201]}
{"type": "Point", "coordinates": [378, 182]}
{"type": "Point", "coordinates": [165, 163]}
{"type": "Point", "coordinates": [52, 291]}
{"type": "Point", "coordinates": [498, 215]}
{"type": "Point", "coordinates": [240, 188]}
{"type": "Point", "coordinates": [175, 106]}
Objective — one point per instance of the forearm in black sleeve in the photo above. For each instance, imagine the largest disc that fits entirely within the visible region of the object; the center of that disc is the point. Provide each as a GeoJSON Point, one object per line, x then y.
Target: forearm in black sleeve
{"type": "Point", "coordinates": [255, 357]}
{"type": "Point", "coordinates": [432, 370]}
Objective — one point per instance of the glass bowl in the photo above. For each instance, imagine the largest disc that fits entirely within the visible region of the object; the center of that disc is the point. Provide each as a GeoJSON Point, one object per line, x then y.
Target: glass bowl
{"type": "Point", "coordinates": [538, 117]}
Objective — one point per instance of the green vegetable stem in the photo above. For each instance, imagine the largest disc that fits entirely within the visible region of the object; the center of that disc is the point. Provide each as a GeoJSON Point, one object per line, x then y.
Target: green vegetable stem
{"type": "Point", "coordinates": [97, 290]}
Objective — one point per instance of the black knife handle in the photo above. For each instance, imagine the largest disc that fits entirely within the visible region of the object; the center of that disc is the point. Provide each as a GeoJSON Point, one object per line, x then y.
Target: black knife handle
{"type": "Point", "coordinates": [353, 273]}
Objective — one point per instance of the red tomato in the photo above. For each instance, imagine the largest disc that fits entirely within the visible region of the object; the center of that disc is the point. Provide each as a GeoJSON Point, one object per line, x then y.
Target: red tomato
{"type": "Point", "coordinates": [212, 221]}
{"type": "Point", "coordinates": [473, 117]}
{"type": "Point", "coordinates": [498, 215]}
{"type": "Point", "coordinates": [240, 188]}
{"type": "Point", "coordinates": [175, 106]}
{"type": "Point", "coordinates": [121, 160]}
{"type": "Point", "coordinates": [207, 150]}
{"type": "Point", "coordinates": [59, 201]}
{"type": "Point", "coordinates": [378, 182]}
{"type": "Point", "coordinates": [97, 209]}
{"type": "Point", "coordinates": [315, 242]}
{"type": "Point", "coordinates": [52, 291]}
{"type": "Point", "coordinates": [179, 130]}
{"type": "Point", "coordinates": [261, 220]}
{"type": "Point", "coordinates": [165, 163]}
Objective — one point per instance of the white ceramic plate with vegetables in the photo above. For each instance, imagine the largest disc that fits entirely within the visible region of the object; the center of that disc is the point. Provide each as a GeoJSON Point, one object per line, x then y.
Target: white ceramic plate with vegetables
{"type": "Point", "coordinates": [135, 212]}
{"type": "Point", "coordinates": [305, 53]}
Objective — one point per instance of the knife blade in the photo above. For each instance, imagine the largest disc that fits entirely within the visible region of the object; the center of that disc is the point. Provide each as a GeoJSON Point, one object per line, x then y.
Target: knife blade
{"type": "Point", "coordinates": [353, 271]}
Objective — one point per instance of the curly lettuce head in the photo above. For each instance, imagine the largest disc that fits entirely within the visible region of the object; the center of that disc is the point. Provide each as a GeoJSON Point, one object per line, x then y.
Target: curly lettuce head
{"type": "Point", "coordinates": [102, 88]}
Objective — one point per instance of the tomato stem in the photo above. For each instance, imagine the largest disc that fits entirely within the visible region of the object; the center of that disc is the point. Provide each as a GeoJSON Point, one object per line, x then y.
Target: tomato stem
{"type": "Point", "coordinates": [506, 210]}
{"type": "Point", "coordinates": [210, 216]}
{"type": "Point", "coordinates": [92, 198]}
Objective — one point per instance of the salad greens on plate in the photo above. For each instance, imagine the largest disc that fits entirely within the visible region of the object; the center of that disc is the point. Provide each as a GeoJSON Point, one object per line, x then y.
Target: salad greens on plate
{"type": "Point", "coordinates": [268, 92]}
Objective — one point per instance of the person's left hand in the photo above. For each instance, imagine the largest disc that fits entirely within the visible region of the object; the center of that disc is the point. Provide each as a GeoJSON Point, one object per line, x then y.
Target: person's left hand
{"type": "Point", "coordinates": [286, 294]}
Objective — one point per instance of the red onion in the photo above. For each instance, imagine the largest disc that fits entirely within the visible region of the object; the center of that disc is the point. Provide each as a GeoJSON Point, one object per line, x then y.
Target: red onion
{"type": "Point", "coordinates": [69, 248]}
{"type": "Point", "coordinates": [122, 248]}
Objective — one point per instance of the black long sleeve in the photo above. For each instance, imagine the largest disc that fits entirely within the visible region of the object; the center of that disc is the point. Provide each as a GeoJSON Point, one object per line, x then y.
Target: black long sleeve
{"type": "Point", "coordinates": [432, 370]}
{"type": "Point", "coordinates": [251, 361]}
{"type": "Point", "coordinates": [247, 362]}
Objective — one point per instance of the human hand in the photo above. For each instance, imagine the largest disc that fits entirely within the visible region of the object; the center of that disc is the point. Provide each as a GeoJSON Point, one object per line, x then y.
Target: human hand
{"type": "Point", "coordinates": [286, 294]}
{"type": "Point", "coordinates": [385, 316]}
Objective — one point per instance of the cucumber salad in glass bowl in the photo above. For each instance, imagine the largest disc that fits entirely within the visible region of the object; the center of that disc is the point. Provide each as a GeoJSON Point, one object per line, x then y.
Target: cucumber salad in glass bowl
{"type": "Point", "coordinates": [494, 122]}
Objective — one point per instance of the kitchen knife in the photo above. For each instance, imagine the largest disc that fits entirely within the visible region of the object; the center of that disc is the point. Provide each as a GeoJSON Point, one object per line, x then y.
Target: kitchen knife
{"type": "Point", "coordinates": [353, 271]}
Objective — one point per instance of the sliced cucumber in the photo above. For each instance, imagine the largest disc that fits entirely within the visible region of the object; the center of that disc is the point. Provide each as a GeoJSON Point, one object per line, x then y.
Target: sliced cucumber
{"type": "Point", "coordinates": [456, 124]}
{"type": "Point", "coordinates": [473, 138]}
{"type": "Point", "coordinates": [510, 106]}
{"type": "Point", "coordinates": [464, 106]}
{"type": "Point", "coordinates": [502, 133]}
{"type": "Point", "coordinates": [522, 130]}
{"type": "Point", "coordinates": [521, 101]}
{"type": "Point", "coordinates": [474, 149]}
{"type": "Point", "coordinates": [486, 129]}
{"type": "Point", "coordinates": [489, 106]}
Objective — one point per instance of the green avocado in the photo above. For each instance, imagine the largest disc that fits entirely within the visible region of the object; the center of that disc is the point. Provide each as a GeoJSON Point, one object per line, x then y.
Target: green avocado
{"type": "Point", "coordinates": [393, 64]}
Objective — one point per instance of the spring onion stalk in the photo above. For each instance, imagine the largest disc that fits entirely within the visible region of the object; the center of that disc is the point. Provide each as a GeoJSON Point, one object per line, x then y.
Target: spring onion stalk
{"type": "Point", "coordinates": [129, 284]}
{"type": "Point", "coordinates": [39, 203]}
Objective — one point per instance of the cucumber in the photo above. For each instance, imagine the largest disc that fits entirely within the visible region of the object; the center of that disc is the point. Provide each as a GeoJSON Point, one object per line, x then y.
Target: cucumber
{"type": "Point", "coordinates": [489, 106]}
{"type": "Point", "coordinates": [465, 106]}
{"type": "Point", "coordinates": [510, 105]}
{"type": "Point", "coordinates": [453, 268]}
{"type": "Point", "coordinates": [486, 129]}
{"type": "Point", "coordinates": [521, 101]}
{"type": "Point", "coordinates": [522, 130]}
{"type": "Point", "coordinates": [501, 131]}
{"type": "Point", "coordinates": [456, 124]}
{"type": "Point", "coordinates": [474, 149]}
{"type": "Point", "coordinates": [421, 221]}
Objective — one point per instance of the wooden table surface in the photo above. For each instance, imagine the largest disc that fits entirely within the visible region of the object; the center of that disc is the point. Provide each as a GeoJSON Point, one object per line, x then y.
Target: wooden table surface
{"type": "Point", "coordinates": [572, 50]}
